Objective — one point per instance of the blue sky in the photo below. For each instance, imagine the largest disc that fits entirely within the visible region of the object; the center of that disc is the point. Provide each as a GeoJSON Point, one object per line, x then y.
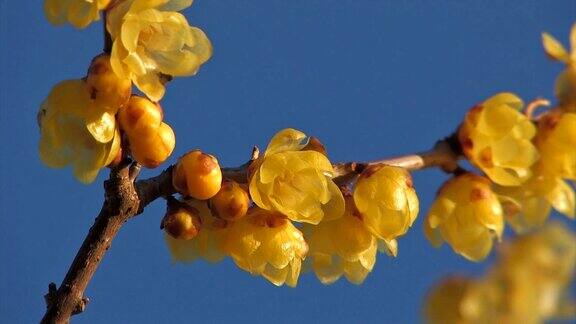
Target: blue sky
{"type": "Point", "coordinates": [370, 78]}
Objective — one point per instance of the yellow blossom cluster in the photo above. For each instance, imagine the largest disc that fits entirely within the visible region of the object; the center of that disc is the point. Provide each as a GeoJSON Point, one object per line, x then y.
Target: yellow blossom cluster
{"type": "Point", "coordinates": [529, 162]}
{"type": "Point", "coordinates": [96, 121]}
{"type": "Point", "coordinates": [301, 217]}
{"type": "Point", "coordinates": [528, 284]}
{"type": "Point", "coordinates": [290, 209]}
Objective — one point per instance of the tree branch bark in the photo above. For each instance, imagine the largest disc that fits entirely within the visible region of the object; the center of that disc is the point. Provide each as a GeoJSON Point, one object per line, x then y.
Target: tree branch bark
{"type": "Point", "coordinates": [125, 198]}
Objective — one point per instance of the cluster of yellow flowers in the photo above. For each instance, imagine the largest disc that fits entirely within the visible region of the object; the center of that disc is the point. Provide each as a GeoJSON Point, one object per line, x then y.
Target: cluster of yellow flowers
{"type": "Point", "coordinates": [292, 212]}
{"type": "Point", "coordinates": [527, 161]}
{"type": "Point", "coordinates": [94, 122]}
{"type": "Point", "coordinates": [300, 214]}
{"type": "Point", "coordinates": [528, 284]}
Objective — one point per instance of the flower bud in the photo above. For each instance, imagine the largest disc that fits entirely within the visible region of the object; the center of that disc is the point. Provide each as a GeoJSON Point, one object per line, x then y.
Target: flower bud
{"type": "Point", "coordinates": [104, 86]}
{"type": "Point", "coordinates": [140, 116]}
{"type": "Point", "coordinates": [231, 202]}
{"type": "Point", "coordinates": [198, 175]}
{"type": "Point", "coordinates": [181, 221]}
{"type": "Point", "coordinates": [153, 149]}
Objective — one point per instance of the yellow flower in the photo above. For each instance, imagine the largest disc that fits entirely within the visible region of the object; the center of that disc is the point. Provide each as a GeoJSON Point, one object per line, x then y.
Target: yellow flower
{"type": "Point", "coordinates": [528, 206]}
{"type": "Point", "coordinates": [496, 138]}
{"type": "Point", "coordinates": [208, 242]}
{"type": "Point", "coordinates": [295, 182]}
{"type": "Point", "coordinates": [386, 201]}
{"type": "Point", "coordinates": [79, 13]}
{"type": "Point", "coordinates": [152, 41]}
{"type": "Point", "coordinates": [70, 134]}
{"type": "Point", "coordinates": [565, 87]}
{"type": "Point", "coordinates": [556, 141]}
{"type": "Point", "coordinates": [341, 247]}
{"type": "Point", "coordinates": [528, 284]}
{"type": "Point", "coordinates": [535, 271]}
{"type": "Point", "coordinates": [443, 302]}
{"type": "Point", "coordinates": [467, 215]}
{"type": "Point", "coordinates": [266, 243]}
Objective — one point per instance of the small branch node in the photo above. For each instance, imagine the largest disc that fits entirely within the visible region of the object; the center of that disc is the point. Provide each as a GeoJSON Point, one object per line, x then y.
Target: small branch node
{"type": "Point", "coordinates": [81, 305]}
{"type": "Point", "coordinates": [255, 153]}
{"type": "Point", "coordinates": [134, 171]}
{"type": "Point", "coordinates": [51, 295]}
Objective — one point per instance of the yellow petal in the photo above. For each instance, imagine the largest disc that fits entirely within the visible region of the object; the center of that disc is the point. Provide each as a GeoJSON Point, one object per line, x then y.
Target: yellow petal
{"type": "Point", "coordinates": [288, 139]}
{"type": "Point", "coordinates": [389, 247]}
{"type": "Point", "coordinates": [151, 85]}
{"type": "Point", "coordinates": [113, 147]}
{"type": "Point", "coordinates": [175, 5]}
{"type": "Point", "coordinates": [82, 13]}
{"type": "Point", "coordinates": [55, 11]}
{"type": "Point", "coordinates": [334, 208]}
{"type": "Point", "coordinates": [554, 48]}
{"type": "Point", "coordinates": [562, 198]}
{"type": "Point", "coordinates": [101, 125]}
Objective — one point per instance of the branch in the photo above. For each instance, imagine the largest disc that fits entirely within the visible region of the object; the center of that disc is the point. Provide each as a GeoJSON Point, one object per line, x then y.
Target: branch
{"type": "Point", "coordinates": [126, 198]}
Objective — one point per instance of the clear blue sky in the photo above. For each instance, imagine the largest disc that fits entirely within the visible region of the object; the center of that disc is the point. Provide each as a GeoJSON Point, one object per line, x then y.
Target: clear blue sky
{"type": "Point", "coordinates": [370, 78]}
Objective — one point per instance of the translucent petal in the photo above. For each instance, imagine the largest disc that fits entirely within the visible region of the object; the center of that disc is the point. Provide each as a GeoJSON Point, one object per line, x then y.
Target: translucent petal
{"type": "Point", "coordinates": [328, 269]}
{"type": "Point", "coordinates": [432, 234]}
{"type": "Point", "coordinates": [334, 208]}
{"type": "Point", "coordinates": [56, 11]}
{"type": "Point", "coordinates": [82, 13]}
{"type": "Point", "coordinates": [389, 247]}
{"type": "Point", "coordinates": [351, 239]}
{"type": "Point", "coordinates": [113, 147]}
{"type": "Point", "coordinates": [101, 124]}
{"type": "Point", "coordinates": [150, 84]}
{"type": "Point", "coordinates": [288, 139]}
{"type": "Point", "coordinates": [275, 275]}
{"type": "Point", "coordinates": [505, 98]}
{"type": "Point", "coordinates": [175, 5]}
{"type": "Point", "coordinates": [141, 5]}
{"type": "Point", "coordinates": [554, 48]}
{"type": "Point", "coordinates": [293, 273]}
{"type": "Point", "coordinates": [117, 60]}
{"type": "Point", "coordinates": [562, 198]}
{"type": "Point", "coordinates": [130, 31]}
{"type": "Point", "coordinates": [202, 46]}
{"type": "Point", "coordinates": [355, 272]}
{"type": "Point", "coordinates": [176, 63]}
{"type": "Point", "coordinates": [498, 120]}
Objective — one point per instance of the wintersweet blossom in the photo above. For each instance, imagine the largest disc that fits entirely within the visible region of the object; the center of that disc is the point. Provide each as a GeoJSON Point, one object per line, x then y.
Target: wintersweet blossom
{"type": "Point", "coordinates": [528, 206]}
{"type": "Point", "coordinates": [69, 136]}
{"type": "Point", "coordinates": [266, 243]}
{"type": "Point", "coordinates": [496, 137]}
{"type": "Point", "coordinates": [467, 215]}
{"type": "Point", "coordinates": [556, 142]}
{"type": "Point", "coordinates": [153, 42]}
{"type": "Point", "coordinates": [386, 201]}
{"type": "Point", "coordinates": [294, 181]}
{"type": "Point", "coordinates": [341, 247]}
